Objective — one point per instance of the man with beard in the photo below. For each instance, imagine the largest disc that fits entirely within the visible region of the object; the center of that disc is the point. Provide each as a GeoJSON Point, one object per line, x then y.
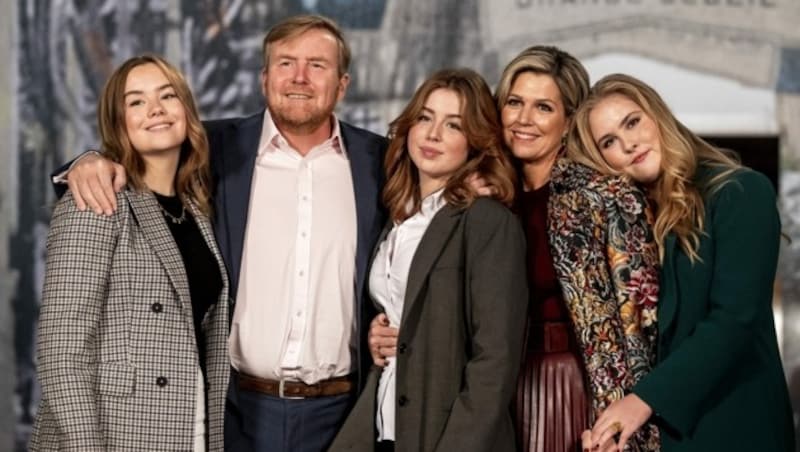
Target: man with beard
{"type": "Point", "coordinates": [297, 211]}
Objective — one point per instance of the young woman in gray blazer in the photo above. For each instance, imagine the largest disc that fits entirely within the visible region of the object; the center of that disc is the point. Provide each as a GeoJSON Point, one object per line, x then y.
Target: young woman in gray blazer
{"type": "Point", "coordinates": [449, 272]}
{"type": "Point", "coordinates": [132, 334]}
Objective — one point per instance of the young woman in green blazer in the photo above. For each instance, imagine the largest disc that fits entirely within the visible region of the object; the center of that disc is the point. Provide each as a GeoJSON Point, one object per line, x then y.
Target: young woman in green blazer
{"type": "Point", "coordinates": [718, 383]}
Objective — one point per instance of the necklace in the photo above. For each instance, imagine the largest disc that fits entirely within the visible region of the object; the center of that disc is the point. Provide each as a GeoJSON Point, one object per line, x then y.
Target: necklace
{"type": "Point", "coordinates": [173, 218]}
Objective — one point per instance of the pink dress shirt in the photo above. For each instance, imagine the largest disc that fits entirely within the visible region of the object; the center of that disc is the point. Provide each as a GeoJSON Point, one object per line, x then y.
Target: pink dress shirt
{"type": "Point", "coordinates": [294, 312]}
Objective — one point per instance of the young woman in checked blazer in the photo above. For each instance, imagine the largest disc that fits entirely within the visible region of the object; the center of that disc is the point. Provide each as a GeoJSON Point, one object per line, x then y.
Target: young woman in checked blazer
{"type": "Point", "coordinates": [132, 335]}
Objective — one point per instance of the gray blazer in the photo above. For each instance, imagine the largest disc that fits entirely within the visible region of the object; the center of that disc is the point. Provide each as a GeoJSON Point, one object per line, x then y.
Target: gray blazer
{"type": "Point", "coordinates": [116, 350]}
{"type": "Point", "coordinates": [460, 338]}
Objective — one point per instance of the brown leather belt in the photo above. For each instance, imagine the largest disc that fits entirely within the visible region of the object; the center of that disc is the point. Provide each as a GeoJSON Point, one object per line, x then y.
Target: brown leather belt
{"type": "Point", "coordinates": [286, 389]}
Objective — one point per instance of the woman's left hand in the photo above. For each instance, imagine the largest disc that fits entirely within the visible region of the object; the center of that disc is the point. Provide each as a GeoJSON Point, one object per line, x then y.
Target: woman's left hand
{"type": "Point", "coordinates": [480, 185]}
{"type": "Point", "coordinates": [625, 416]}
{"type": "Point", "coordinates": [586, 441]}
{"type": "Point", "coordinates": [382, 340]}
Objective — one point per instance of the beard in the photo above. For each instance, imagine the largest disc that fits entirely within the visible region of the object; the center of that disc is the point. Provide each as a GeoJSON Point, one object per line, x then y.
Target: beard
{"type": "Point", "coordinates": [299, 119]}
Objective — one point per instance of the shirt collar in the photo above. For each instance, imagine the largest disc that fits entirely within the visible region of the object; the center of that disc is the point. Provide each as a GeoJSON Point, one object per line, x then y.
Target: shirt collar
{"type": "Point", "coordinates": [271, 138]}
{"type": "Point", "coordinates": [429, 206]}
{"type": "Point", "coordinates": [433, 202]}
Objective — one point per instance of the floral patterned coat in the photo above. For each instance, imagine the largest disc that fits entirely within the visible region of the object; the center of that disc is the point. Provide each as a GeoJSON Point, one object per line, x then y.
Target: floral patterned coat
{"type": "Point", "coordinates": [606, 260]}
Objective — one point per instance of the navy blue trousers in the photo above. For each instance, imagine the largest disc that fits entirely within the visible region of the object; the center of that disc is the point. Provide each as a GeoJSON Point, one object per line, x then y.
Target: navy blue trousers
{"type": "Point", "coordinates": [256, 422]}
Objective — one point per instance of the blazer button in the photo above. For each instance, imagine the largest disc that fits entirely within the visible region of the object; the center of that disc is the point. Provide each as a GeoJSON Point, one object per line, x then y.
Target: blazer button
{"type": "Point", "coordinates": [402, 400]}
{"type": "Point", "coordinates": [156, 307]}
{"type": "Point", "coordinates": [161, 382]}
{"type": "Point", "coordinates": [402, 348]}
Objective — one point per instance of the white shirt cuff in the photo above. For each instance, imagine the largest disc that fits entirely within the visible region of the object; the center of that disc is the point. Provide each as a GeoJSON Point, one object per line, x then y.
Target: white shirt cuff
{"type": "Point", "coordinates": [61, 178]}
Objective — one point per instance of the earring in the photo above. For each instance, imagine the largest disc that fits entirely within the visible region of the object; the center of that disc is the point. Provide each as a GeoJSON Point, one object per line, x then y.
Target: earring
{"type": "Point", "coordinates": [563, 140]}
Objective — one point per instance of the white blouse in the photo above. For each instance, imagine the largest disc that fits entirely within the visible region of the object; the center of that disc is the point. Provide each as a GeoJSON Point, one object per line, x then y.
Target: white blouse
{"type": "Point", "coordinates": [387, 286]}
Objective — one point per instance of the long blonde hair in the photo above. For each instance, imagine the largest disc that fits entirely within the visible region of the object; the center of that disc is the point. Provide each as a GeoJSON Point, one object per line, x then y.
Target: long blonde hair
{"type": "Point", "coordinates": [192, 180]}
{"type": "Point", "coordinates": [678, 195]}
{"type": "Point", "coordinates": [481, 127]}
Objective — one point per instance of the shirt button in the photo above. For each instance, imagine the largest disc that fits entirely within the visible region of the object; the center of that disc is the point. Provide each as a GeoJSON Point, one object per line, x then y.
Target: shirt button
{"type": "Point", "coordinates": [156, 307]}
{"type": "Point", "coordinates": [402, 400]}
{"type": "Point", "coordinates": [161, 382]}
{"type": "Point", "coordinates": [305, 198]}
{"type": "Point", "coordinates": [303, 234]}
{"type": "Point", "coordinates": [388, 276]}
{"type": "Point", "coordinates": [301, 273]}
{"type": "Point", "coordinates": [299, 313]}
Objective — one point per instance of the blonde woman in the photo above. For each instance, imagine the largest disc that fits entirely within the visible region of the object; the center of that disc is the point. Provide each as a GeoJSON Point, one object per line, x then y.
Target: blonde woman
{"type": "Point", "coordinates": [718, 382]}
{"type": "Point", "coordinates": [592, 265]}
{"type": "Point", "coordinates": [132, 333]}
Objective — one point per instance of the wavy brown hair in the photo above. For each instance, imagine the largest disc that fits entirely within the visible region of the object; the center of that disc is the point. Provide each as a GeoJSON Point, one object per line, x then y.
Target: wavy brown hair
{"type": "Point", "coordinates": [677, 193]}
{"type": "Point", "coordinates": [481, 127]}
{"type": "Point", "coordinates": [192, 180]}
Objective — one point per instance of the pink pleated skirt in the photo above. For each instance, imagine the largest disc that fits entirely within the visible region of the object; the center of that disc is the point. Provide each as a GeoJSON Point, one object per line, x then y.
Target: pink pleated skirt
{"type": "Point", "coordinates": [551, 407]}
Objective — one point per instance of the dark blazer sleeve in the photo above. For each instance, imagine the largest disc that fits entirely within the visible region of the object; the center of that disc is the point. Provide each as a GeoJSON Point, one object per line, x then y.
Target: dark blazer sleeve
{"type": "Point", "coordinates": [79, 254]}
{"type": "Point", "coordinates": [60, 188]}
{"type": "Point", "coordinates": [745, 229]}
{"type": "Point", "coordinates": [497, 297]}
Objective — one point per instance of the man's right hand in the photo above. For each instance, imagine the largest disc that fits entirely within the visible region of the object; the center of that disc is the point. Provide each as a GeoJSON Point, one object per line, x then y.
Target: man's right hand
{"type": "Point", "coordinates": [94, 181]}
{"type": "Point", "coordinates": [382, 340]}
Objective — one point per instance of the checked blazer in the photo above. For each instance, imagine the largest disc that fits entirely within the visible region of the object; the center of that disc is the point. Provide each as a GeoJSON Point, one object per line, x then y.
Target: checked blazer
{"type": "Point", "coordinates": [116, 349]}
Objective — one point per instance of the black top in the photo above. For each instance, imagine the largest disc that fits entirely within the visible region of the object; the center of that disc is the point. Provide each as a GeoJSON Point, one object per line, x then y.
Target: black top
{"type": "Point", "coordinates": [205, 281]}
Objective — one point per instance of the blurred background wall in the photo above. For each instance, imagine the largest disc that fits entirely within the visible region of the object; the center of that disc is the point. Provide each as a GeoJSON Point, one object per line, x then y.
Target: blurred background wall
{"type": "Point", "coordinates": [729, 68]}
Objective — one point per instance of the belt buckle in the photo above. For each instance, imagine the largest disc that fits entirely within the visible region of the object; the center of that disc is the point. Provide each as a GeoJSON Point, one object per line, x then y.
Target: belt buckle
{"type": "Point", "coordinates": [282, 394]}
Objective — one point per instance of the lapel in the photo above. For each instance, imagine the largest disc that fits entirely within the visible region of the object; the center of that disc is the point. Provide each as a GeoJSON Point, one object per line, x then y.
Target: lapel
{"type": "Point", "coordinates": [434, 240]}
{"type": "Point", "coordinates": [668, 291]}
{"type": "Point", "coordinates": [237, 180]}
{"type": "Point", "coordinates": [365, 167]}
{"type": "Point", "coordinates": [155, 231]}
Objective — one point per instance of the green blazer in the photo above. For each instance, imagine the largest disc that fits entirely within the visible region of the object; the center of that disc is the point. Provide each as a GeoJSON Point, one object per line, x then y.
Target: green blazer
{"type": "Point", "coordinates": [718, 383]}
{"type": "Point", "coordinates": [460, 339]}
